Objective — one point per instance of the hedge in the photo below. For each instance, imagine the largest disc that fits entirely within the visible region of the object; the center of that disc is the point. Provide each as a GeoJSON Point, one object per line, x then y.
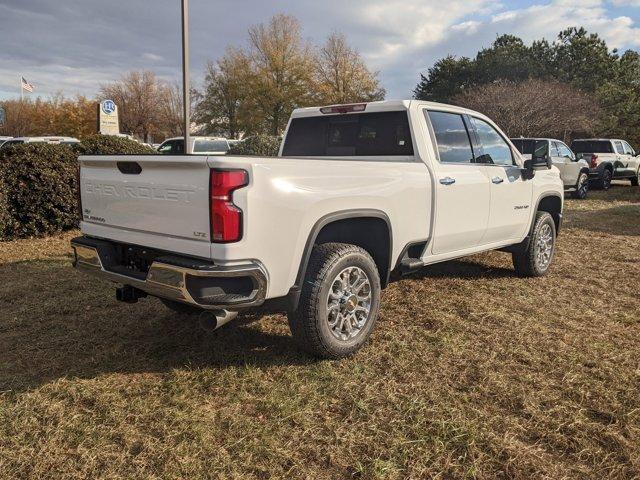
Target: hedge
{"type": "Point", "coordinates": [261, 145]}
{"type": "Point", "coordinates": [38, 184]}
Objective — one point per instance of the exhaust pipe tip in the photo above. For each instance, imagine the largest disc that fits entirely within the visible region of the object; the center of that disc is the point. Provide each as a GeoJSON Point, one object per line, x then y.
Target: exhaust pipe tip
{"type": "Point", "coordinates": [211, 320]}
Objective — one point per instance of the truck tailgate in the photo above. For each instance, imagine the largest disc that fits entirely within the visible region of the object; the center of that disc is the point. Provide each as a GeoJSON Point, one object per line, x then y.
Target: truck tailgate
{"type": "Point", "coordinates": [158, 195]}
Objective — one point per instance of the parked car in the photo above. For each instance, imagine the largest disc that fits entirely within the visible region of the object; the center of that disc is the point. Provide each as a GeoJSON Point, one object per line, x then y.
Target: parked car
{"type": "Point", "coordinates": [4, 139]}
{"type": "Point", "coordinates": [197, 146]}
{"type": "Point", "coordinates": [574, 171]}
{"type": "Point", "coordinates": [359, 195]}
{"type": "Point", "coordinates": [48, 139]}
{"type": "Point", "coordinates": [608, 159]}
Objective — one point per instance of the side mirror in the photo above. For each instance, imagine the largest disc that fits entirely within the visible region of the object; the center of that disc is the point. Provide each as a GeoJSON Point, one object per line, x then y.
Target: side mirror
{"type": "Point", "coordinates": [540, 159]}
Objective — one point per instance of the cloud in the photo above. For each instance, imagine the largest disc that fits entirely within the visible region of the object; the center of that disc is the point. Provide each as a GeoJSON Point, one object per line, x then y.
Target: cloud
{"type": "Point", "coordinates": [74, 46]}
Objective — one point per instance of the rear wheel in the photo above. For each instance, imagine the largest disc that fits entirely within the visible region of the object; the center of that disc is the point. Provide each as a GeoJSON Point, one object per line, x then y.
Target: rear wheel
{"type": "Point", "coordinates": [339, 301]}
{"type": "Point", "coordinates": [582, 187]}
{"type": "Point", "coordinates": [605, 180]}
{"type": "Point", "coordinates": [536, 259]}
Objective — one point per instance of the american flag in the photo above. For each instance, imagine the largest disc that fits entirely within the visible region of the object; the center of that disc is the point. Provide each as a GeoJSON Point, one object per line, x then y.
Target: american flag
{"type": "Point", "coordinates": [26, 85]}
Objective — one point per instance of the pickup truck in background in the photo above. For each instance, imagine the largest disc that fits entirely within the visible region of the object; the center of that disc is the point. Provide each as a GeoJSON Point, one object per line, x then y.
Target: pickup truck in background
{"type": "Point", "coordinates": [609, 159]}
{"type": "Point", "coordinates": [197, 146]}
{"type": "Point", "coordinates": [359, 195]}
{"type": "Point", "coordinates": [574, 172]}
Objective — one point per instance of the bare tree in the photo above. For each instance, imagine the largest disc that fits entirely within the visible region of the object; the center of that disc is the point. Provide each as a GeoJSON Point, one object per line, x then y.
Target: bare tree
{"type": "Point", "coordinates": [137, 95]}
{"type": "Point", "coordinates": [535, 108]}
{"type": "Point", "coordinates": [282, 66]}
{"type": "Point", "coordinates": [222, 107]}
{"type": "Point", "coordinates": [342, 76]}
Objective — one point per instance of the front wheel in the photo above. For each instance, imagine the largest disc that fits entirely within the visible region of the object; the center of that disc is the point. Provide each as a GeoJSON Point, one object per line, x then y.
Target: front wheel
{"type": "Point", "coordinates": [339, 301]}
{"type": "Point", "coordinates": [582, 187]}
{"type": "Point", "coordinates": [635, 181]}
{"type": "Point", "coordinates": [536, 259]}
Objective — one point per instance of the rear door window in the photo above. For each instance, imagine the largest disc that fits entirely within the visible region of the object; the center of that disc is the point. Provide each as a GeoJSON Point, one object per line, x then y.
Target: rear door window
{"type": "Point", "coordinates": [564, 151]}
{"type": "Point", "coordinates": [349, 135]}
{"type": "Point", "coordinates": [495, 149]}
{"type": "Point", "coordinates": [452, 137]}
{"type": "Point", "coordinates": [555, 149]}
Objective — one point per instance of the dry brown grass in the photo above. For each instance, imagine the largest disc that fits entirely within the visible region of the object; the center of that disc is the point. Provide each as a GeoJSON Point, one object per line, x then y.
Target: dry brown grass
{"type": "Point", "coordinates": [471, 372]}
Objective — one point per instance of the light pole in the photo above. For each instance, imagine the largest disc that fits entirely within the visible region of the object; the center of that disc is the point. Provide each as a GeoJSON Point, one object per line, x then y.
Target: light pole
{"type": "Point", "coordinates": [185, 73]}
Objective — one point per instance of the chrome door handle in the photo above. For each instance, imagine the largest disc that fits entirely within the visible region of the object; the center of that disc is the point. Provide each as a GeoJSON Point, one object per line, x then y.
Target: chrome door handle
{"type": "Point", "coordinates": [497, 180]}
{"type": "Point", "coordinates": [447, 181]}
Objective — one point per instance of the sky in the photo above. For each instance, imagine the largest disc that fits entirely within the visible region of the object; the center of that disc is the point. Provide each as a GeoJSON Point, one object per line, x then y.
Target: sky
{"type": "Point", "coordinates": [75, 46]}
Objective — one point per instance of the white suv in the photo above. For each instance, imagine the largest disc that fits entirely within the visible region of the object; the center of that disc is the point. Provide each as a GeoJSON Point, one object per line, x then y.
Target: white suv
{"type": "Point", "coordinates": [573, 171]}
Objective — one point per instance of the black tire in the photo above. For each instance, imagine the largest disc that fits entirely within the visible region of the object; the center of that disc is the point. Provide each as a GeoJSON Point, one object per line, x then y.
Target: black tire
{"type": "Point", "coordinates": [526, 262]}
{"type": "Point", "coordinates": [582, 186]}
{"type": "Point", "coordinates": [635, 181]}
{"type": "Point", "coordinates": [310, 323]}
{"type": "Point", "coordinates": [604, 182]}
{"type": "Point", "coordinates": [180, 308]}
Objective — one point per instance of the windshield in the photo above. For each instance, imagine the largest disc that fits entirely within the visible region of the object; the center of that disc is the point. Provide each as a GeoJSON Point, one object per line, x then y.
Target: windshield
{"type": "Point", "coordinates": [362, 134]}
{"type": "Point", "coordinates": [210, 146]}
{"type": "Point", "coordinates": [592, 146]}
{"type": "Point", "coordinates": [524, 146]}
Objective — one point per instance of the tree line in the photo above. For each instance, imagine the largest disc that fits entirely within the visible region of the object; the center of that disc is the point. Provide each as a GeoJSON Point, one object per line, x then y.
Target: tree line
{"type": "Point", "coordinates": [572, 86]}
{"type": "Point", "coordinates": [249, 90]}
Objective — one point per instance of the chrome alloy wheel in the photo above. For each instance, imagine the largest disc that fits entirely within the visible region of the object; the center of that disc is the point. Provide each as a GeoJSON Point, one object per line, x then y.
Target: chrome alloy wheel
{"type": "Point", "coordinates": [349, 303]}
{"type": "Point", "coordinates": [544, 247]}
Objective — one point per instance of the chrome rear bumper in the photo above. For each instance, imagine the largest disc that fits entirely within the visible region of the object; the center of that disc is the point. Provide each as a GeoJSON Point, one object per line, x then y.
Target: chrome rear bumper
{"type": "Point", "coordinates": [177, 278]}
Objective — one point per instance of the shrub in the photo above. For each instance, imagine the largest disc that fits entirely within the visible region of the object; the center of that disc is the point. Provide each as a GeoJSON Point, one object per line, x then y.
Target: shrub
{"type": "Point", "coordinates": [261, 145]}
{"type": "Point", "coordinates": [38, 183]}
{"type": "Point", "coordinates": [110, 145]}
{"type": "Point", "coordinates": [4, 209]}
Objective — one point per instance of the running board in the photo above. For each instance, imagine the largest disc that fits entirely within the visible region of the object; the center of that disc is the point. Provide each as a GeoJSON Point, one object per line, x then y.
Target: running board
{"type": "Point", "coordinates": [409, 265]}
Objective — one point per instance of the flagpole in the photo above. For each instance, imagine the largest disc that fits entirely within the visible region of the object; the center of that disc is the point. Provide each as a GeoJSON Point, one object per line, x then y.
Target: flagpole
{"type": "Point", "coordinates": [21, 91]}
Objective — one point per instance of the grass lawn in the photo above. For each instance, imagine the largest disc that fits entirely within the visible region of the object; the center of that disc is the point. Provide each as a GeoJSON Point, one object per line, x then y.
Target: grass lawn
{"type": "Point", "coordinates": [471, 372]}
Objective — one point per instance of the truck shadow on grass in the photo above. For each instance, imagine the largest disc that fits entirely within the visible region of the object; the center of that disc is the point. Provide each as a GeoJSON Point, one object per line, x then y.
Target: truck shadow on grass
{"type": "Point", "coordinates": [57, 324]}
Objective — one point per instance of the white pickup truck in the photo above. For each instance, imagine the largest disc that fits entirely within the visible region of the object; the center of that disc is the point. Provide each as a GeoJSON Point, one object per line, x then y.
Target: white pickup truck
{"type": "Point", "coordinates": [609, 159]}
{"type": "Point", "coordinates": [358, 195]}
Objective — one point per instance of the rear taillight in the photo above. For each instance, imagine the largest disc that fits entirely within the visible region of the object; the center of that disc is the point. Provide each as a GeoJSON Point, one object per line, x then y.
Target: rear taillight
{"type": "Point", "coordinates": [594, 161]}
{"type": "Point", "coordinates": [78, 194]}
{"type": "Point", "coordinates": [225, 217]}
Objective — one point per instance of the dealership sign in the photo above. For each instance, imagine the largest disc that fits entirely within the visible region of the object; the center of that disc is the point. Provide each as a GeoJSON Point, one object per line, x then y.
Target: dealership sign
{"type": "Point", "coordinates": [108, 118]}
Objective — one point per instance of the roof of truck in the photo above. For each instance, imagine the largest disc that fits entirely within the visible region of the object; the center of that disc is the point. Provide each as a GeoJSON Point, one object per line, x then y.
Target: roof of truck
{"type": "Point", "coordinates": [381, 106]}
{"type": "Point", "coordinates": [595, 139]}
